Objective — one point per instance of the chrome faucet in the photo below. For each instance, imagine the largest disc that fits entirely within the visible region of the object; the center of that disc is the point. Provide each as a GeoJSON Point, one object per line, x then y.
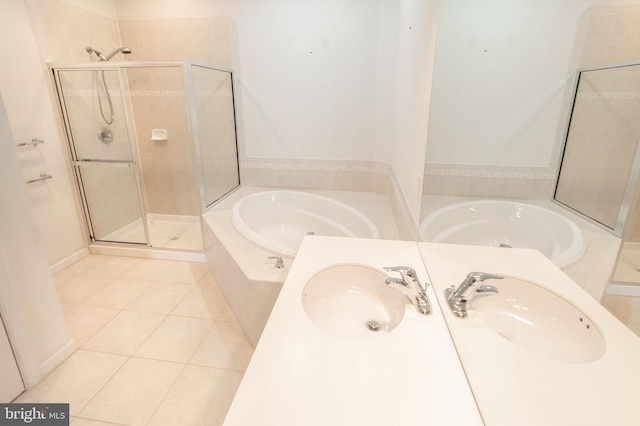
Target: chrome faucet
{"type": "Point", "coordinates": [410, 287]}
{"type": "Point", "coordinates": [472, 287]}
{"type": "Point", "coordinates": [279, 262]}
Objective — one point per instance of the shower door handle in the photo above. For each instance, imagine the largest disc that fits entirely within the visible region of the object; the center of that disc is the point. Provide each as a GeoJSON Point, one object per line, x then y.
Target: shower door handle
{"type": "Point", "coordinates": [116, 163]}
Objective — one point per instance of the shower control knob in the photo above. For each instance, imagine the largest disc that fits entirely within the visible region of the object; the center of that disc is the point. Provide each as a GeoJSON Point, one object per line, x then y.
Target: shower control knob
{"type": "Point", "coordinates": [105, 135]}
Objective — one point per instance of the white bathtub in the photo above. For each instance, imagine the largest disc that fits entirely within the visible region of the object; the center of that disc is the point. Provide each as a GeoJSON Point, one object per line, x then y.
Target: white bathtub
{"type": "Point", "coordinates": [506, 224]}
{"type": "Point", "coordinates": [279, 220]}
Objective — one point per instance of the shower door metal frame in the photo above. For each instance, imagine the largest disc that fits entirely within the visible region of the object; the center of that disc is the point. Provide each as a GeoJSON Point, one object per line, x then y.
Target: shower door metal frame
{"type": "Point", "coordinates": [133, 144]}
{"type": "Point", "coordinates": [121, 67]}
{"type": "Point", "coordinates": [193, 120]}
{"type": "Point", "coordinates": [630, 194]}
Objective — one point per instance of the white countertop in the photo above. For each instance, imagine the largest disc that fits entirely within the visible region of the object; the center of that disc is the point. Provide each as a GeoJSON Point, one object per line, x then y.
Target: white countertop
{"type": "Point", "coordinates": [516, 387]}
{"type": "Point", "coordinates": [300, 375]}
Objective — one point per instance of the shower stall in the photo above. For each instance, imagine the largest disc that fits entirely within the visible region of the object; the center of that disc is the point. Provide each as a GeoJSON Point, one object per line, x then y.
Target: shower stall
{"type": "Point", "coordinates": [152, 145]}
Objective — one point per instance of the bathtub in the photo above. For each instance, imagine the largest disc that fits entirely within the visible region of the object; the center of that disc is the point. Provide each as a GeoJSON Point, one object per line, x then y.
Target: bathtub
{"type": "Point", "coordinates": [506, 224]}
{"type": "Point", "coordinates": [278, 220]}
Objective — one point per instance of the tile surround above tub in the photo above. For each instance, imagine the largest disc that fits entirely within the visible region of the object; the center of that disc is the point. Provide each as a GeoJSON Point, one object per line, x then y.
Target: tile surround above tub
{"type": "Point", "coordinates": [336, 175]}
{"type": "Point", "coordinates": [532, 183]}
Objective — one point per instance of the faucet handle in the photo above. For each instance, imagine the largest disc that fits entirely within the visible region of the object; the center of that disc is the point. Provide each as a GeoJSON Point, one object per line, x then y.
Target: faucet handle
{"type": "Point", "coordinates": [481, 276]}
{"type": "Point", "coordinates": [404, 271]}
{"type": "Point", "coordinates": [279, 261]}
{"type": "Point", "coordinates": [408, 274]}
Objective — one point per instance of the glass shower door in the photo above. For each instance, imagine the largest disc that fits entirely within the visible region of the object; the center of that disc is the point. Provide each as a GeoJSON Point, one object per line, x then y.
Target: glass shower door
{"type": "Point", "coordinates": [215, 132]}
{"type": "Point", "coordinates": [93, 104]}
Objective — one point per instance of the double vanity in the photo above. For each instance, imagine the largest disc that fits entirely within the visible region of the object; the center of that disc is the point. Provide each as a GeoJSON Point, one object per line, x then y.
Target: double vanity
{"type": "Point", "coordinates": [373, 332]}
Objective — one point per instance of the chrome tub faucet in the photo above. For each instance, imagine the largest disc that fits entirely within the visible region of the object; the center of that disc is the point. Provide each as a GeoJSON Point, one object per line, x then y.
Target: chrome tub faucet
{"type": "Point", "coordinates": [410, 287]}
{"type": "Point", "coordinates": [471, 288]}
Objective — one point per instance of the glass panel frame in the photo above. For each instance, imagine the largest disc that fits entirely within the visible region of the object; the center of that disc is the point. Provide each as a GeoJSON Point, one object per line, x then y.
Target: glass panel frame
{"type": "Point", "coordinates": [214, 126]}
{"type": "Point", "coordinates": [598, 173]}
{"type": "Point", "coordinates": [112, 202]}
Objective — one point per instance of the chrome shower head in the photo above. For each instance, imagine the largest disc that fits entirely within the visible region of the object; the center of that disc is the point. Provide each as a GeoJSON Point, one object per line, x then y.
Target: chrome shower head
{"type": "Point", "coordinates": [123, 50]}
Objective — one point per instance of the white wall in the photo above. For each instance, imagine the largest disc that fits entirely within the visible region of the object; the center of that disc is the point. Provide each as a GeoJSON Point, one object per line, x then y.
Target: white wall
{"type": "Point", "coordinates": [30, 307]}
{"type": "Point", "coordinates": [502, 67]}
{"type": "Point", "coordinates": [407, 38]}
{"type": "Point", "coordinates": [23, 82]}
{"type": "Point", "coordinates": [308, 72]}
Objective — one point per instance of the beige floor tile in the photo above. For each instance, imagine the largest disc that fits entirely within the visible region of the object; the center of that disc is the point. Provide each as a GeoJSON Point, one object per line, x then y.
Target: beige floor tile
{"type": "Point", "coordinates": [201, 302]}
{"type": "Point", "coordinates": [85, 321]}
{"type": "Point", "coordinates": [80, 266]}
{"type": "Point", "coordinates": [150, 269]}
{"type": "Point", "coordinates": [114, 266]}
{"type": "Point", "coordinates": [76, 380]}
{"type": "Point", "coordinates": [125, 333]}
{"type": "Point", "coordinates": [176, 339]}
{"type": "Point", "coordinates": [227, 314]}
{"type": "Point", "coordinates": [76, 291]}
{"type": "Point", "coordinates": [78, 421]}
{"type": "Point", "coordinates": [207, 279]}
{"type": "Point", "coordinates": [224, 347]}
{"type": "Point", "coordinates": [119, 293]}
{"type": "Point", "coordinates": [134, 393]}
{"type": "Point", "coordinates": [185, 272]}
{"type": "Point", "coordinates": [160, 298]}
{"type": "Point", "coordinates": [201, 396]}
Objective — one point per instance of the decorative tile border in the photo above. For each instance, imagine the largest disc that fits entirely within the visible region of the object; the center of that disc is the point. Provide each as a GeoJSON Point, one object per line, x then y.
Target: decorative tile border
{"type": "Point", "coordinates": [489, 181]}
{"type": "Point", "coordinates": [490, 174]}
{"type": "Point", "coordinates": [617, 96]}
{"type": "Point", "coordinates": [317, 166]}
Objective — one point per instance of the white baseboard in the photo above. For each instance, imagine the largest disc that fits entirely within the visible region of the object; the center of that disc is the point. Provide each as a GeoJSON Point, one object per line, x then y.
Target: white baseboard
{"type": "Point", "coordinates": [57, 358]}
{"type": "Point", "coordinates": [69, 260]}
{"type": "Point", "coordinates": [148, 253]}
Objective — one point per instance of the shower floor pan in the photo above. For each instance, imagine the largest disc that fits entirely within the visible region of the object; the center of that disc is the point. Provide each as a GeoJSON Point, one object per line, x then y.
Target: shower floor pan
{"type": "Point", "coordinates": [165, 231]}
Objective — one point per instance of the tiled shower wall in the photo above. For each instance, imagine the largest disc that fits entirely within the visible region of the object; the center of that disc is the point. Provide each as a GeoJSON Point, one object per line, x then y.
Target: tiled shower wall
{"type": "Point", "coordinates": [158, 99]}
{"type": "Point", "coordinates": [602, 143]}
{"type": "Point", "coordinates": [62, 31]}
{"type": "Point", "coordinates": [608, 35]}
{"type": "Point", "coordinates": [170, 182]}
{"type": "Point", "coordinates": [212, 41]}
{"type": "Point", "coordinates": [216, 132]}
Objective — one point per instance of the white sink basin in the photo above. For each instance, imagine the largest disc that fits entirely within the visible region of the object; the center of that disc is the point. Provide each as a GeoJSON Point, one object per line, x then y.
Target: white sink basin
{"type": "Point", "coordinates": [539, 321]}
{"type": "Point", "coordinates": [352, 301]}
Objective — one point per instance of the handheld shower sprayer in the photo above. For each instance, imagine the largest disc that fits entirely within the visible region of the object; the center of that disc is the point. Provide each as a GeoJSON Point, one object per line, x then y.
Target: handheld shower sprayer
{"type": "Point", "coordinates": [103, 58]}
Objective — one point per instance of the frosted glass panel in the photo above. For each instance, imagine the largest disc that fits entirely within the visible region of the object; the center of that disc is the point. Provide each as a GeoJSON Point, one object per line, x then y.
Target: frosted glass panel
{"type": "Point", "coordinates": [601, 143]}
{"type": "Point", "coordinates": [112, 202]}
{"type": "Point", "coordinates": [215, 118]}
{"type": "Point", "coordinates": [94, 105]}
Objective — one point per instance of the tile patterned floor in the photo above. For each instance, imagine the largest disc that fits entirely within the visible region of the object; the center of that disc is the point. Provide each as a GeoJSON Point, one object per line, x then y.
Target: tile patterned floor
{"type": "Point", "coordinates": [157, 344]}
